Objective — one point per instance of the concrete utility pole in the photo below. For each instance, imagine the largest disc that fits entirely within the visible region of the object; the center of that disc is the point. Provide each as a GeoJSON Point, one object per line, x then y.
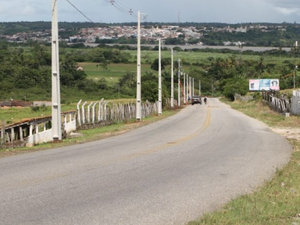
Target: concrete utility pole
{"type": "Point", "coordinates": [296, 67]}
{"type": "Point", "coordinates": [187, 88]}
{"type": "Point", "coordinates": [138, 79]}
{"type": "Point", "coordinates": [184, 89]}
{"type": "Point", "coordinates": [179, 68]}
{"type": "Point", "coordinates": [212, 87]}
{"type": "Point", "coordinates": [193, 89]}
{"type": "Point", "coordinates": [199, 87]}
{"type": "Point", "coordinates": [159, 79]}
{"type": "Point", "coordinates": [56, 108]}
{"type": "Point", "coordinates": [172, 78]}
{"type": "Point", "coordinates": [190, 87]}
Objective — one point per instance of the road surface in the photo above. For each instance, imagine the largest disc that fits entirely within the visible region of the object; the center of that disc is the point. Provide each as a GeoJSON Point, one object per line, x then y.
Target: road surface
{"type": "Point", "coordinates": [168, 172]}
{"type": "Point", "coordinates": [189, 47]}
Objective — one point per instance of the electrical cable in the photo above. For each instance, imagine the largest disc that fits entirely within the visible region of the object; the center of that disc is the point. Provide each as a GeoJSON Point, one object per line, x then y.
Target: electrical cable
{"type": "Point", "coordinates": [79, 11]}
{"type": "Point", "coordinates": [121, 7]}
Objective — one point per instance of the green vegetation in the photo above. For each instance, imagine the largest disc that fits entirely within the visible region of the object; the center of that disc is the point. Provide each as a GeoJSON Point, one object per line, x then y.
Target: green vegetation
{"type": "Point", "coordinates": [110, 72]}
{"type": "Point", "coordinates": [278, 201]}
{"type": "Point", "coordinates": [25, 71]}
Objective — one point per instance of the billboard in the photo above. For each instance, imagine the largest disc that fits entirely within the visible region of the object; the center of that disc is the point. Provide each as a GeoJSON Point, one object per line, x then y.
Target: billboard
{"type": "Point", "coordinates": [264, 84]}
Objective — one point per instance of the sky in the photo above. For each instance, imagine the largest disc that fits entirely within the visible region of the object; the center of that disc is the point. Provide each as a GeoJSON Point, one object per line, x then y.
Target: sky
{"type": "Point", "coordinates": [114, 11]}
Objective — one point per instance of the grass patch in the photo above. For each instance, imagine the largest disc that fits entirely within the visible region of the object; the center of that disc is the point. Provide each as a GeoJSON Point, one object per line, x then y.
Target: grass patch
{"type": "Point", "coordinates": [113, 72]}
{"type": "Point", "coordinates": [278, 201]}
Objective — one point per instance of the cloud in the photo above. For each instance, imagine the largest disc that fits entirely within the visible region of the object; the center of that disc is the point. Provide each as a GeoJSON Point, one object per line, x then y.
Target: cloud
{"type": "Point", "coordinates": [288, 11]}
{"type": "Point", "coordinates": [284, 3]}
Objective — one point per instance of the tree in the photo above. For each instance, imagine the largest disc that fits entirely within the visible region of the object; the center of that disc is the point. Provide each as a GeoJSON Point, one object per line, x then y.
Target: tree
{"type": "Point", "coordinates": [235, 86]}
{"type": "Point", "coordinates": [127, 84]}
{"type": "Point", "coordinates": [164, 63]}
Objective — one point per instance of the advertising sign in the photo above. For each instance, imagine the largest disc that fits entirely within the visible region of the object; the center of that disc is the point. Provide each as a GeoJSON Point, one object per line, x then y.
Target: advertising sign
{"type": "Point", "coordinates": [264, 84]}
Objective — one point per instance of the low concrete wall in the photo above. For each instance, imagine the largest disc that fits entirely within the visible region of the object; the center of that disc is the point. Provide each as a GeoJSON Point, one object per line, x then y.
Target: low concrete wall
{"type": "Point", "coordinates": [295, 103]}
{"type": "Point", "coordinates": [35, 131]}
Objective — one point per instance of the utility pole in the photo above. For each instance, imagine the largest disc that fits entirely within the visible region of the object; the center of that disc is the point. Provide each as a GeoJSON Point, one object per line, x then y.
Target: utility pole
{"type": "Point", "coordinates": [138, 79]}
{"type": "Point", "coordinates": [184, 89]}
{"type": "Point", "coordinates": [190, 87]}
{"type": "Point", "coordinates": [212, 87]}
{"type": "Point", "coordinates": [199, 87]}
{"type": "Point", "coordinates": [172, 78]}
{"type": "Point", "coordinates": [296, 67]}
{"type": "Point", "coordinates": [159, 79]}
{"type": "Point", "coordinates": [56, 107]}
{"type": "Point", "coordinates": [187, 88]}
{"type": "Point", "coordinates": [193, 87]}
{"type": "Point", "coordinates": [179, 71]}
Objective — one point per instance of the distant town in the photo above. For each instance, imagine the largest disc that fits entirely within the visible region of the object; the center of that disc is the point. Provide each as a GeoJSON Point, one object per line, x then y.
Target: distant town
{"type": "Point", "coordinates": [148, 33]}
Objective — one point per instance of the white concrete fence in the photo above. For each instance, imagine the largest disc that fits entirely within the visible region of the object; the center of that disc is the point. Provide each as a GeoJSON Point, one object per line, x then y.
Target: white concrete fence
{"type": "Point", "coordinates": [283, 104]}
{"type": "Point", "coordinates": [39, 130]}
{"type": "Point", "coordinates": [35, 131]}
{"type": "Point", "coordinates": [295, 103]}
{"type": "Point", "coordinates": [93, 113]}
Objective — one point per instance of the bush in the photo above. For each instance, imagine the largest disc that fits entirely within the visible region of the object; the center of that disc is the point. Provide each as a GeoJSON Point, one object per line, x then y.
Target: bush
{"type": "Point", "coordinates": [235, 86]}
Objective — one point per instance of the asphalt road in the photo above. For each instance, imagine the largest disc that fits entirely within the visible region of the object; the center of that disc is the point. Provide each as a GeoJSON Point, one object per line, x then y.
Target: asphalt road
{"type": "Point", "coordinates": [168, 172]}
{"type": "Point", "coordinates": [188, 47]}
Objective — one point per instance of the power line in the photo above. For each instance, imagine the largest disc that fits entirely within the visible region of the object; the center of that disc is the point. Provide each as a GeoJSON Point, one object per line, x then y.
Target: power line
{"type": "Point", "coordinates": [79, 11]}
{"type": "Point", "coordinates": [122, 8]}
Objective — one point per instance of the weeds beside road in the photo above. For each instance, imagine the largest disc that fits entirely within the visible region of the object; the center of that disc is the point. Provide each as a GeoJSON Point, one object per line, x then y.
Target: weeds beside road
{"type": "Point", "coordinates": [276, 203]}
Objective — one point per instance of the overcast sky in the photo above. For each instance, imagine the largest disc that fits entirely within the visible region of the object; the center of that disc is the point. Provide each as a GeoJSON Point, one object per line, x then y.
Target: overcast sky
{"type": "Point", "coordinates": [225, 11]}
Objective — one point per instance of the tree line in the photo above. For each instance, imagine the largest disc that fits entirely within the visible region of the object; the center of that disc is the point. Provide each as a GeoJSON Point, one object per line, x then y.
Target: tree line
{"type": "Point", "coordinates": [25, 73]}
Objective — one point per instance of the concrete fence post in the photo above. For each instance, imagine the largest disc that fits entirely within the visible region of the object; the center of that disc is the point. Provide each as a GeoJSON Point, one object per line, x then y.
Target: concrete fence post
{"type": "Point", "coordinates": [2, 140]}
{"type": "Point", "coordinates": [94, 113]}
{"type": "Point", "coordinates": [83, 113]}
{"type": "Point", "coordinates": [105, 110]}
{"type": "Point", "coordinates": [89, 113]}
{"type": "Point", "coordinates": [100, 110]}
{"type": "Point", "coordinates": [78, 113]}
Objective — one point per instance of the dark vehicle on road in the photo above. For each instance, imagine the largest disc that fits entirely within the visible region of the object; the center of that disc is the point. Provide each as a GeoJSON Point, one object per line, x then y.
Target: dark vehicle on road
{"type": "Point", "coordinates": [196, 99]}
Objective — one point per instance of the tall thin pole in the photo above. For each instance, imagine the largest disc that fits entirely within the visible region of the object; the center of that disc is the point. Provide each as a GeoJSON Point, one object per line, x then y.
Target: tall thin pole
{"type": "Point", "coordinates": [199, 87]}
{"type": "Point", "coordinates": [190, 87]}
{"type": "Point", "coordinates": [179, 68]}
{"type": "Point", "coordinates": [187, 87]}
{"type": "Point", "coordinates": [56, 108]}
{"type": "Point", "coordinates": [172, 78]}
{"type": "Point", "coordinates": [159, 79]}
{"type": "Point", "coordinates": [296, 67]}
{"type": "Point", "coordinates": [193, 87]}
{"type": "Point", "coordinates": [138, 79]}
{"type": "Point", "coordinates": [184, 89]}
